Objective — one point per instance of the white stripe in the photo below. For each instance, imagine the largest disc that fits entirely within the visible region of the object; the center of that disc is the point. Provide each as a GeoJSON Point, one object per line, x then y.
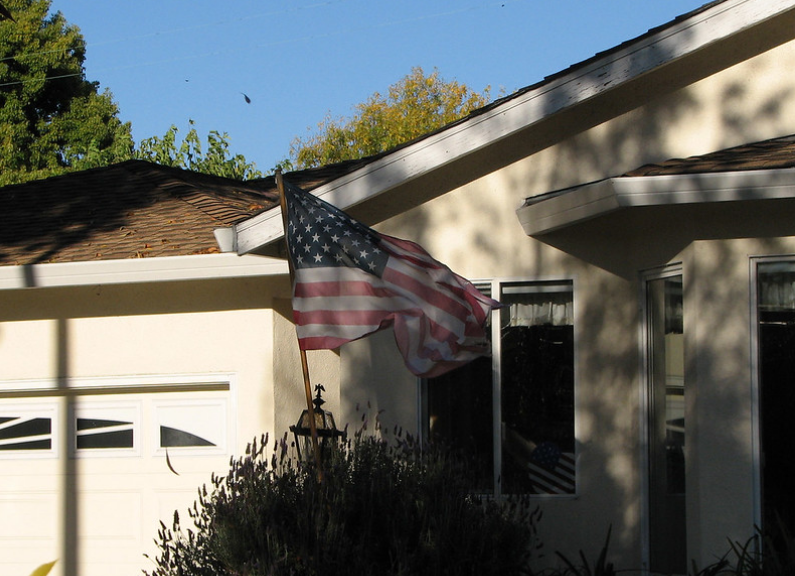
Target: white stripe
{"type": "Point", "coordinates": [404, 299]}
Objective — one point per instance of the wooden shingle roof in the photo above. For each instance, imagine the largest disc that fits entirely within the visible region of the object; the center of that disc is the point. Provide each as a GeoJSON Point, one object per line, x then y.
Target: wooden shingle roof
{"type": "Point", "coordinates": [133, 209]}
{"type": "Point", "coordinates": [765, 155]}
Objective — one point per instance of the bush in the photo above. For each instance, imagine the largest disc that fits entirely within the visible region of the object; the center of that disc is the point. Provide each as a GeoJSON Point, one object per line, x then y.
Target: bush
{"type": "Point", "coordinates": [385, 508]}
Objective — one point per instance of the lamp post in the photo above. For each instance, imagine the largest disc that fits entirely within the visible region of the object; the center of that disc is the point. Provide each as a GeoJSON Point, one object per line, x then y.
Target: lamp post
{"type": "Point", "coordinates": [327, 433]}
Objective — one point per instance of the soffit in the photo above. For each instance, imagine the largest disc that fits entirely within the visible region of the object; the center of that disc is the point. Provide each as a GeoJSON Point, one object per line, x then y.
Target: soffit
{"type": "Point", "coordinates": [751, 172]}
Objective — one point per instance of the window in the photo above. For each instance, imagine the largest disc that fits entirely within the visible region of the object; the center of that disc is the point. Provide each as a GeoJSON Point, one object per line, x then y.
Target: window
{"type": "Point", "coordinates": [27, 429]}
{"type": "Point", "coordinates": [126, 417]}
{"type": "Point", "coordinates": [102, 426]}
{"type": "Point", "coordinates": [192, 424]}
{"type": "Point", "coordinates": [513, 414]}
{"type": "Point", "coordinates": [776, 340]}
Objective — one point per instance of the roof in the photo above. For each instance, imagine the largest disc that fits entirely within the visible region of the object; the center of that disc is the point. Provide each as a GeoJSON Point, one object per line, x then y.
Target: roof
{"type": "Point", "coordinates": [762, 170]}
{"type": "Point", "coordinates": [134, 209]}
{"type": "Point", "coordinates": [764, 155]}
{"type": "Point", "coordinates": [661, 61]}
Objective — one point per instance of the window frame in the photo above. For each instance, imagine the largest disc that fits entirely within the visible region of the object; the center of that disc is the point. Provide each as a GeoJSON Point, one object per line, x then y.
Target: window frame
{"type": "Point", "coordinates": [48, 409]}
{"type": "Point", "coordinates": [494, 287]}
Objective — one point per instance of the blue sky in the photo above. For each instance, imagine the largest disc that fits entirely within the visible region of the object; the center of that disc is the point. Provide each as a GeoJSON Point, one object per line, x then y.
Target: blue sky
{"type": "Point", "coordinates": [170, 61]}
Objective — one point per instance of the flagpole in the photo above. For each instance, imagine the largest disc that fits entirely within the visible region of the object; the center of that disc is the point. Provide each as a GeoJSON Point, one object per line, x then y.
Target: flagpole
{"type": "Point", "coordinates": [310, 407]}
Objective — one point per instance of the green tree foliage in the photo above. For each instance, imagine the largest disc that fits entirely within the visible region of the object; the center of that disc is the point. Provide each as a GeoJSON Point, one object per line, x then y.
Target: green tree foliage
{"type": "Point", "coordinates": [51, 118]}
{"type": "Point", "coordinates": [414, 106]}
{"type": "Point", "coordinates": [217, 160]}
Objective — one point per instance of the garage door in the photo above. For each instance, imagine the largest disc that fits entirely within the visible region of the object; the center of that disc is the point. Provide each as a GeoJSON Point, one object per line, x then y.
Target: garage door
{"type": "Point", "coordinates": [86, 477]}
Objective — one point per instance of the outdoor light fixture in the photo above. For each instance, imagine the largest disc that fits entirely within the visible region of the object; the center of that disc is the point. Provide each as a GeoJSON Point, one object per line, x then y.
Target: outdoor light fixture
{"type": "Point", "coordinates": [327, 432]}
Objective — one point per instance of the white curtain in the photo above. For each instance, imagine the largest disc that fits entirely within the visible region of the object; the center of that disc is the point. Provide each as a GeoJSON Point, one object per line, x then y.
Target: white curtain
{"type": "Point", "coordinates": [556, 311]}
{"type": "Point", "coordinates": [777, 291]}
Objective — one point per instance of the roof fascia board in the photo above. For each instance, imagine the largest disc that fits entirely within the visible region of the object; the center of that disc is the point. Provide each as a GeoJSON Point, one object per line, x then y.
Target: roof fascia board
{"type": "Point", "coordinates": [556, 211]}
{"type": "Point", "coordinates": [138, 270]}
{"type": "Point", "coordinates": [566, 92]}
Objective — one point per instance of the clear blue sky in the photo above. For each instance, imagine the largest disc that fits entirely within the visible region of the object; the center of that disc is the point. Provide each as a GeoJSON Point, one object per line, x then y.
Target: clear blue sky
{"type": "Point", "coordinates": [168, 61]}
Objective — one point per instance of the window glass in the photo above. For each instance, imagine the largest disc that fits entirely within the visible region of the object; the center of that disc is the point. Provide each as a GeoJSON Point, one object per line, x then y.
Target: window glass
{"type": "Point", "coordinates": [101, 426]}
{"type": "Point", "coordinates": [537, 367]}
{"type": "Point", "coordinates": [776, 330]}
{"type": "Point", "coordinates": [98, 433]}
{"type": "Point", "coordinates": [25, 432]}
{"type": "Point", "coordinates": [531, 449]}
{"type": "Point", "coordinates": [192, 424]}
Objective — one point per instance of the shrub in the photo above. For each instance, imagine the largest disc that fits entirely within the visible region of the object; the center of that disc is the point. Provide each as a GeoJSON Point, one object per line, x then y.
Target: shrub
{"type": "Point", "coordinates": [385, 508]}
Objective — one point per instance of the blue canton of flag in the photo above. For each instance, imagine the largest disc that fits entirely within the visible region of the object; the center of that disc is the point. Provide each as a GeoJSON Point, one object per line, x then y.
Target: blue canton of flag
{"type": "Point", "coordinates": [322, 235]}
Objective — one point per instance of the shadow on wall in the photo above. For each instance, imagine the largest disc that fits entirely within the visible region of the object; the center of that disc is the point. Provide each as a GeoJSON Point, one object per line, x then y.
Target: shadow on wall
{"type": "Point", "coordinates": [612, 250]}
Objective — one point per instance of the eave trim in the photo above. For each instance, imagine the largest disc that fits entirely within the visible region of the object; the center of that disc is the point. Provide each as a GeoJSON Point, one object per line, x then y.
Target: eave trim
{"type": "Point", "coordinates": [558, 210]}
{"type": "Point", "coordinates": [139, 270]}
{"type": "Point", "coordinates": [566, 92]}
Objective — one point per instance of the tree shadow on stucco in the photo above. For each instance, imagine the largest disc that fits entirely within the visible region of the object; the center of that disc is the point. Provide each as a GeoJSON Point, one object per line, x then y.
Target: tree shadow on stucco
{"type": "Point", "coordinates": [618, 247]}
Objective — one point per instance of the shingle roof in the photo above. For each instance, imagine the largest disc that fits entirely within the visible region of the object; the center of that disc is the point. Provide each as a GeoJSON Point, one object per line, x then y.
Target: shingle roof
{"type": "Point", "coordinates": [128, 210]}
{"type": "Point", "coordinates": [765, 155]}
{"type": "Point", "coordinates": [133, 209]}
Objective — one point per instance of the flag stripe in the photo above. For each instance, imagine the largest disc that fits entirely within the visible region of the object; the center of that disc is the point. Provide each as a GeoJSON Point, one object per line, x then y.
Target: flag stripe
{"type": "Point", "coordinates": [351, 281]}
{"type": "Point", "coordinates": [560, 480]}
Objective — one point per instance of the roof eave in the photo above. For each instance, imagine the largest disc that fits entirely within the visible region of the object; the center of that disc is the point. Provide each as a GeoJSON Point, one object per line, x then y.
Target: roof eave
{"type": "Point", "coordinates": [137, 270]}
{"type": "Point", "coordinates": [568, 208]}
{"type": "Point", "coordinates": [583, 84]}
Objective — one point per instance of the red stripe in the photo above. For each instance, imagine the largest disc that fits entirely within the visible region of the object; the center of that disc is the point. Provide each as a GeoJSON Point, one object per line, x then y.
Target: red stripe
{"type": "Point", "coordinates": [341, 317]}
{"type": "Point", "coordinates": [321, 342]}
{"type": "Point", "coordinates": [339, 288]}
{"type": "Point", "coordinates": [433, 297]}
{"type": "Point", "coordinates": [417, 255]}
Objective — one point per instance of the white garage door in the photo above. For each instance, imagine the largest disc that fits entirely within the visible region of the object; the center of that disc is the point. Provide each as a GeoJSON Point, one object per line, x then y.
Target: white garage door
{"type": "Point", "coordinates": [86, 478]}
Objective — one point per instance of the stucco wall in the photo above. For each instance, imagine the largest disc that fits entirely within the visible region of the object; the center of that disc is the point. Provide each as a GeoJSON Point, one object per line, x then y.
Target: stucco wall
{"type": "Point", "coordinates": [103, 509]}
{"type": "Point", "coordinates": [474, 229]}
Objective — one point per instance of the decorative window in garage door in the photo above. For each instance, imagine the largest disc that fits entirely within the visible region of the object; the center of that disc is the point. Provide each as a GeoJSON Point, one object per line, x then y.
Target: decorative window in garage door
{"type": "Point", "coordinates": [127, 417]}
{"type": "Point", "coordinates": [196, 424]}
{"type": "Point", "coordinates": [27, 429]}
{"type": "Point", "coordinates": [24, 430]}
{"type": "Point", "coordinates": [105, 427]}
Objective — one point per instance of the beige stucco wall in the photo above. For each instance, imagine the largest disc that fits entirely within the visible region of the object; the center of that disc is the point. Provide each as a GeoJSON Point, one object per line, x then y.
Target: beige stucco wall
{"type": "Point", "coordinates": [102, 510]}
{"type": "Point", "coordinates": [474, 229]}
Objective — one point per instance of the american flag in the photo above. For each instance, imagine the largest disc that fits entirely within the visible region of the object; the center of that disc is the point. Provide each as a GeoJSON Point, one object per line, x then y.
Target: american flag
{"type": "Point", "coordinates": [552, 471]}
{"type": "Point", "coordinates": [351, 281]}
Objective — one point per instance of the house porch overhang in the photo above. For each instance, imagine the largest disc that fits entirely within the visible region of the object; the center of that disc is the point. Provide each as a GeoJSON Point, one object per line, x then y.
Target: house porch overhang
{"type": "Point", "coordinates": [569, 208]}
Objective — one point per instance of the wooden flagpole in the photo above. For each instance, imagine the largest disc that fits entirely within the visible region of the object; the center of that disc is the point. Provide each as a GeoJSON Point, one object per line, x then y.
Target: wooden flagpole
{"type": "Point", "coordinates": [310, 407]}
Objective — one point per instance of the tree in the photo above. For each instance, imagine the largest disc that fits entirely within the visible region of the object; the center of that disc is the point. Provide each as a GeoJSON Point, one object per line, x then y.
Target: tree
{"type": "Point", "coordinates": [217, 160]}
{"type": "Point", "coordinates": [51, 118]}
{"type": "Point", "coordinates": [415, 105]}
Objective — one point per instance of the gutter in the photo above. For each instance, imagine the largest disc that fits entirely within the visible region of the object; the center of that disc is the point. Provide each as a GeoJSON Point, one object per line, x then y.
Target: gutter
{"type": "Point", "coordinates": [139, 270]}
{"type": "Point", "coordinates": [557, 210]}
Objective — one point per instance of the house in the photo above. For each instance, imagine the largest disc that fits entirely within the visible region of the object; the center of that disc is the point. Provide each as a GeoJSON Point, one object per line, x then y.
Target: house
{"type": "Point", "coordinates": [642, 244]}
{"type": "Point", "coordinates": [135, 357]}
{"type": "Point", "coordinates": [635, 215]}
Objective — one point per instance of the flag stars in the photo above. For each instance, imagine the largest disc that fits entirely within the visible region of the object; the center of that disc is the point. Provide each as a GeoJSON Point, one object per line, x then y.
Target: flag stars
{"type": "Point", "coordinates": [316, 237]}
{"type": "Point", "coordinates": [318, 258]}
{"type": "Point", "coordinates": [326, 248]}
